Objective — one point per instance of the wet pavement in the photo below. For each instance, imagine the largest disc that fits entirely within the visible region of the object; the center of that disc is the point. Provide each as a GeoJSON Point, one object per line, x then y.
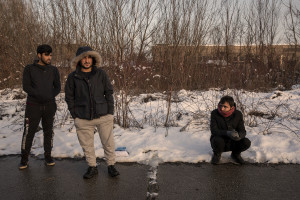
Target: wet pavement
{"type": "Point", "coordinates": [64, 181]}
{"type": "Point", "coordinates": [168, 181]}
{"type": "Point", "coordinates": [228, 181]}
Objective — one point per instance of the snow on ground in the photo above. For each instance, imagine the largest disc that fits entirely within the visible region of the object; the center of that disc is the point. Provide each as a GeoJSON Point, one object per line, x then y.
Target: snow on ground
{"type": "Point", "coordinates": [271, 119]}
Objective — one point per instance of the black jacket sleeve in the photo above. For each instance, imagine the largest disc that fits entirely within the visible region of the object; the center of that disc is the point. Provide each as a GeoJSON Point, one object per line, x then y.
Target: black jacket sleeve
{"type": "Point", "coordinates": [108, 93]}
{"type": "Point", "coordinates": [56, 83]}
{"type": "Point", "coordinates": [70, 95]}
{"type": "Point", "coordinates": [214, 128]}
{"type": "Point", "coordinates": [27, 86]}
{"type": "Point", "coordinates": [241, 127]}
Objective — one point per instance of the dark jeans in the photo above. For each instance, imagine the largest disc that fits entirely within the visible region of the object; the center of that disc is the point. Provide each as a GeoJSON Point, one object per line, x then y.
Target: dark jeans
{"type": "Point", "coordinates": [221, 144]}
{"type": "Point", "coordinates": [33, 115]}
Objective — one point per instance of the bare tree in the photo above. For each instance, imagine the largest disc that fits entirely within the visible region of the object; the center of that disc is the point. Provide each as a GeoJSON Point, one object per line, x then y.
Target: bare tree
{"type": "Point", "coordinates": [19, 33]}
{"type": "Point", "coordinates": [292, 24]}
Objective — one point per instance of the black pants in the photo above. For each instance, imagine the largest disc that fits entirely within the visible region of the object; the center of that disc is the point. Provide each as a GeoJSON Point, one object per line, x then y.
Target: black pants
{"type": "Point", "coordinates": [33, 116]}
{"type": "Point", "coordinates": [220, 144]}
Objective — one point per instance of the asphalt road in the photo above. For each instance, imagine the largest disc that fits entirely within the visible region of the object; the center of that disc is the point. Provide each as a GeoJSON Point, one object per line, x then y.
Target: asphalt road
{"type": "Point", "coordinates": [64, 181]}
{"type": "Point", "coordinates": [228, 181]}
{"type": "Point", "coordinates": [174, 181]}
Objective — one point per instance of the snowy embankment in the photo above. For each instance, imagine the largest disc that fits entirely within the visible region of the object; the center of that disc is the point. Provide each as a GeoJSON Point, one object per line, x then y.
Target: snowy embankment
{"type": "Point", "coordinates": [272, 122]}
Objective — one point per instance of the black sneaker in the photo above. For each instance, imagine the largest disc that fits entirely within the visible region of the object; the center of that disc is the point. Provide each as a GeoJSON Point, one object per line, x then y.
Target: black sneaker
{"type": "Point", "coordinates": [216, 158]}
{"type": "Point", "coordinates": [49, 160]}
{"type": "Point", "coordinates": [91, 172]}
{"type": "Point", "coordinates": [237, 158]}
{"type": "Point", "coordinates": [23, 164]}
{"type": "Point", "coordinates": [112, 171]}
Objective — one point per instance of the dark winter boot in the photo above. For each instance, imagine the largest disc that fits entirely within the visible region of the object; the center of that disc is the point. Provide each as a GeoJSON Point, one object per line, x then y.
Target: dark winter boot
{"type": "Point", "coordinates": [112, 171]}
{"type": "Point", "coordinates": [24, 161]}
{"type": "Point", "coordinates": [91, 172]}
{"type": "Point", "coordinates": [48, 159]}
{"type": "Point", "coordinates": [216, 158]}
{"type": "Point", "coordinates": [237, 158]}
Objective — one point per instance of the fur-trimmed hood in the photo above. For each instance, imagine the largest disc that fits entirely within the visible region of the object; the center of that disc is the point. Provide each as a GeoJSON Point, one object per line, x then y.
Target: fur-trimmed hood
{"type": "Point", "coordinates": [86, 51]}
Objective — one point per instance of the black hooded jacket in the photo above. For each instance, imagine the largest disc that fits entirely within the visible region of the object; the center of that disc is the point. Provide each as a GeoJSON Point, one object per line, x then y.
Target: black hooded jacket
{"type": "Point", "coordinates": [89, 98]}
{"type": "Point", "coordinates": [41, 83]}
{"type": "Point", "coordinates": [219, 125]}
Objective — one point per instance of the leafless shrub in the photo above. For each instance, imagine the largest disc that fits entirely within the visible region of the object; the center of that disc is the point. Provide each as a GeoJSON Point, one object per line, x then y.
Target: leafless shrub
{"type": "Point", "coordinates": [160, 46]}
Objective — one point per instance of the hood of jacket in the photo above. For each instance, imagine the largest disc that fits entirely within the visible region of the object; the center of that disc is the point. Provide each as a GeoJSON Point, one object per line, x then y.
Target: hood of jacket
{"type": "Point", "coordinates": [86, 51]}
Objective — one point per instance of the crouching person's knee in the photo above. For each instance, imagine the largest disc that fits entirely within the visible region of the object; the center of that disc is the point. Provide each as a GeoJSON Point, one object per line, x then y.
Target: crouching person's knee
{"type": "Point", "coordinates": [246, 143]}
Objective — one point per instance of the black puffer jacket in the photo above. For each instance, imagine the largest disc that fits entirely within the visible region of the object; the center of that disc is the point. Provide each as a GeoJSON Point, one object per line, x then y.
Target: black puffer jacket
{"type": "Point", "coordinates": [219, 124]}
{"type": "Point", "coordinates": [89, 98]}
{"type": "Point", "coordinates": [41, 83]}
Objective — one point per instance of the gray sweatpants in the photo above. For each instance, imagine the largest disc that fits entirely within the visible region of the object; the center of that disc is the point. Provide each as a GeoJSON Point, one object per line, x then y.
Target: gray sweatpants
{"type": "Point", "coordinates": [85, 133]}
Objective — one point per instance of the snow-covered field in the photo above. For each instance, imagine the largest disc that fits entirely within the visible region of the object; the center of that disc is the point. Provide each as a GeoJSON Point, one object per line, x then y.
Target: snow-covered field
{"type": "Point", "coordinates": [272, 122]}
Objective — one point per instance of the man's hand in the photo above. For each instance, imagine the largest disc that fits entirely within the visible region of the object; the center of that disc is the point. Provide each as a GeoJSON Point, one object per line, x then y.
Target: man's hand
{"type": "Point", "coordinates": [234, 135]}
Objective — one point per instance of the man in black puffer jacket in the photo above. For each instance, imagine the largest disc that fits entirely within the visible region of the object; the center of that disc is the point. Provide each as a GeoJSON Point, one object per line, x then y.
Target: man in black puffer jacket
{"type": "Point", "coordinates": [89, 95]}
{"type": "Point", "coordinates": [41, 82]}
{"type": "Point", "coordinates": [228, 131]}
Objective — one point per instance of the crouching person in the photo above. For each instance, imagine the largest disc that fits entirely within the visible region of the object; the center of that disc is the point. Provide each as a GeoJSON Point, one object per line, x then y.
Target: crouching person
{"type": "Point", "coordinates": [228, 131]}
{"type": "Point", "coordinates": [89, 95]}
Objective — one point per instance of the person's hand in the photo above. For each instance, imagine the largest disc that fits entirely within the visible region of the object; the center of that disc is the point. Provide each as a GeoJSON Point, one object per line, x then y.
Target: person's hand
{"type": "Point", "coordinates": [234, 135]}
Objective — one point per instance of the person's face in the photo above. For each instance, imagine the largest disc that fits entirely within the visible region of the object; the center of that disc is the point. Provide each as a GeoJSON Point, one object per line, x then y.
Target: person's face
{"type": "Point", "coordinates": [86, 62]}
{"type": "Point", "coordinates": [225, 107]}
{"type": "Point", "coordinates": [44, 58]}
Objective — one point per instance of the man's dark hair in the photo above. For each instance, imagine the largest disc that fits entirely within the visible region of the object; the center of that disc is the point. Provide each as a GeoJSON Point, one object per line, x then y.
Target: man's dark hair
{"type": "Point", "coordinates": [227, 99]}
{"type": "Point", "coordinates": [44, 48]}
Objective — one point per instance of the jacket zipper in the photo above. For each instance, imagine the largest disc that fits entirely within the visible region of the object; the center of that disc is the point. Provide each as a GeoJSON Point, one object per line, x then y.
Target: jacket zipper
{"type": "Point", "coordinates": [91, 100]}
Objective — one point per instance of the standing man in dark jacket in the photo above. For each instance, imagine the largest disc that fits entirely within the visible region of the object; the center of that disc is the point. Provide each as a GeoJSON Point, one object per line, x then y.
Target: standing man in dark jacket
{"type": "Point", "coordinates": [41, 82]}
{"type": "Point", "coordinates": [228, 131]}
{"type": "Point", "coordinates": [89, 95]}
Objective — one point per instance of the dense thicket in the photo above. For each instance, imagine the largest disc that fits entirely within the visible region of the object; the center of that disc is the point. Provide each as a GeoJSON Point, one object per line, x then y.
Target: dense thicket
{"type": "Point", "coordinates": [162, 45]}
